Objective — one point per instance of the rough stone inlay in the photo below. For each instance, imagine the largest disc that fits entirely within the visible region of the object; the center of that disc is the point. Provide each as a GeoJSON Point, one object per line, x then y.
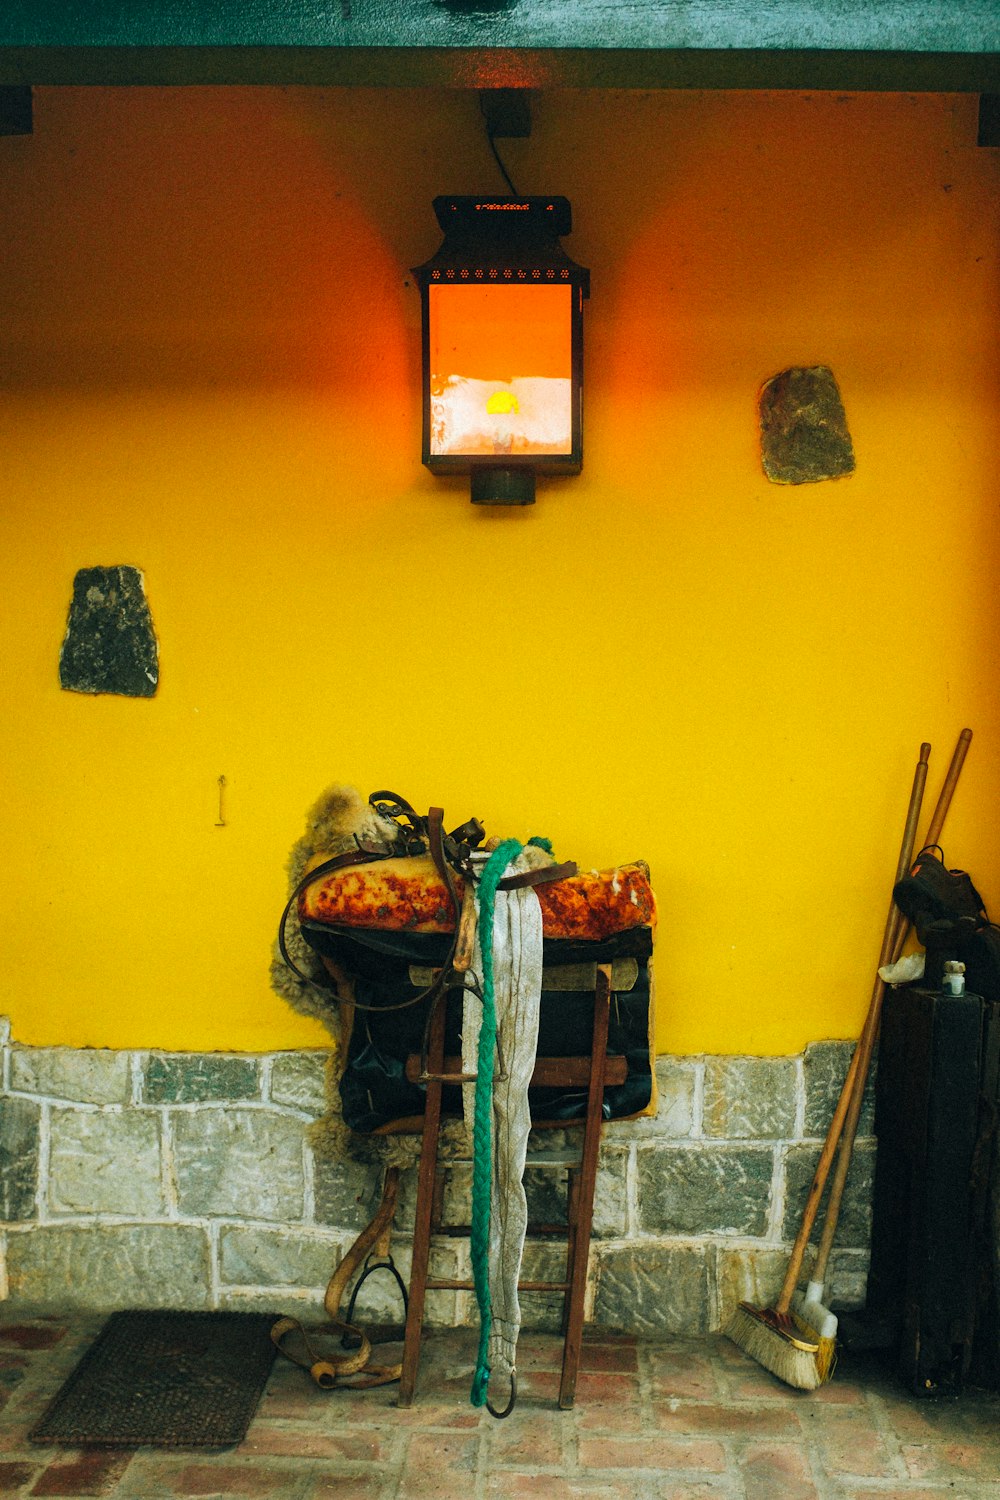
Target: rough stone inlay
{"type": "Point", "coordinates": [457, 1194]}
{"type": "Point", "coordinates": [19, 1119]}
{"type": "Point", "coordinates": [347, 1193]}
{"type": "Point", "coordinates": [675, 1105]}
{"type": "Point", "coordinates": [241, 1162]}
{"type": "Point", "coordinates": [854, 1224]}
{"type": "Point", "coordinates": [803, 427]}
{"type": "Point", "coordinates": [110, 645]}
{"type": "Point", "coordinates": [84, 1074]}
{"type": "Point", "coordinates": [704, 1189]}
{"type": "Point", "coordinates": [611, 1194]}
{"type": "Point", "coordinates": [653, 1289]}
{"type": "Point", "coordinates": [848, 1273]}
{"type": "Point", "coordinates": [545, 1189]}
{"type": "Point", "coordinates": [277, 1257]}
{"type": "Point", "coordinates": [748, 1274]}
{"type": "Point", "coordinates": [750, 1098]}
{"type": "Point", "coordinates": [544, 1260]}
{"type": "Point", "coordinates": [298, 1079]}
{"type": "Point", "coordinates": [825, 1068]}
{"type": "Point", "coordinates": [200, 1078]}
{"type": "Point", "coordinates": [104, 1162]}
{"type": "Point", "coordinates": [105, 1266]}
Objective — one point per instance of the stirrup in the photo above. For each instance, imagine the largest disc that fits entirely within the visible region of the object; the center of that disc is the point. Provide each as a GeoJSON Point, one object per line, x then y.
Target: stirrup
{"type": "Point", "coordinates": [373, 1263]}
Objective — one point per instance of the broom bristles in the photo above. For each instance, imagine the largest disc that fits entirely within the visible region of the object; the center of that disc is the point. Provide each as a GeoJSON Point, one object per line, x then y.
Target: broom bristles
{"type": "Point", "coordinates": [826, 1348]}
{"type": "Point", "coordinates": [773, 1343]}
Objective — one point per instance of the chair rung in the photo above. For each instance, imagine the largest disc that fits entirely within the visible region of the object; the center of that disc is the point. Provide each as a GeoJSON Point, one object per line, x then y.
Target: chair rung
{"type": "Point", "coordinates": [533, 1231]}
{"type": "Point", "coordinates": [455, 1078]}
{"type": "Point", "coordinates": [567, 1161]}
{"type": "Point", "coordinates": [550, 1072]}
{"type": "Point", "coordinates": [442, 1284]}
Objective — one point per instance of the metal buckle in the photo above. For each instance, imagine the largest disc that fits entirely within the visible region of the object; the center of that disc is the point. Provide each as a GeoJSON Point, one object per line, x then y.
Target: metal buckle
{"type": "Point", "coordinates": [510, 1404]}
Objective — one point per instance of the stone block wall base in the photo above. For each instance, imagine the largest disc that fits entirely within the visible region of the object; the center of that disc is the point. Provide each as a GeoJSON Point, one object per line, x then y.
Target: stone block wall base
{"type": "Point", "coordinates": [201, 1181]}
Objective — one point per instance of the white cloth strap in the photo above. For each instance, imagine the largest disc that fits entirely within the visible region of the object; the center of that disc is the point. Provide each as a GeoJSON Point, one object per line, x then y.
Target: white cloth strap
{"type": "Point", "coordinates": [517, 986]}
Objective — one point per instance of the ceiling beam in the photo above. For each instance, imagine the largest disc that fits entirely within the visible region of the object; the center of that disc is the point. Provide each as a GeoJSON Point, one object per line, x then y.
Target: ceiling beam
{"type": "Point", "coordinates": [476, 68]}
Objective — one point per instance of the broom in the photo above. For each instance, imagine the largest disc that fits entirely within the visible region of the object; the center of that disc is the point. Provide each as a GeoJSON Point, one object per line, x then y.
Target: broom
{"type": "Point", "coordinates": [769, 1334]}
{"type": "Point", "coordinates": [812, 1318]}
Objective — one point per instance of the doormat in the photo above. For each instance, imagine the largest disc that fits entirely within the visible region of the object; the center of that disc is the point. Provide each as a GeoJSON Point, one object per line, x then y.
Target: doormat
{"type": "Point", "coordinates": [166, 1380]}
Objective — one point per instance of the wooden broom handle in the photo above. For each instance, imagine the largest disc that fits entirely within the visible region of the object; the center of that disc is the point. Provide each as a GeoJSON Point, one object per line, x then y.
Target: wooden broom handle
{"type": "Point", "coordinates": [896, 930]}
{"type": "Point", "coordinates": [947, 791]}
{"type": "Point", "coordinates": [866, 1045]}
{"type": "Point", "coordinates": [848, 1091]}
{"type": "Point", "coordinates": [934, 830]}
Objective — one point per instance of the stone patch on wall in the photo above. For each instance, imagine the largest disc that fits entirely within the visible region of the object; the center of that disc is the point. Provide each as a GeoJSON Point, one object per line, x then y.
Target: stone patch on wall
{"type": "Point", "coordinates": [206, 1180]}
{"type": "Point", "coordinates": [255, 1256]}
{"type": "Point", "coordinates": [110, 645]}
{"type": "Point", "coordinates": [825, 1066]}
{"type": "Point", "coordinates": [854, 1223]}
{"type": "Point", "coordinates": [299, 1079]}
{"type": "Point", "coordinates": [803, 427]}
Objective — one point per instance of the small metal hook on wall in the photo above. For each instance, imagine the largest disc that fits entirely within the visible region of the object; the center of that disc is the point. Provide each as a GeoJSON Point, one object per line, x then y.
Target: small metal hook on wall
{"type": "Point", "coordinates": [222, 812]}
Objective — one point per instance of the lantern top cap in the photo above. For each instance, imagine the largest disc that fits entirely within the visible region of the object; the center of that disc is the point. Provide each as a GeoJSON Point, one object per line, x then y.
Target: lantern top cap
{"type": "Point", "coordinates": [542, 217]}
{"type": "Point", "coordinates": [484, 232]}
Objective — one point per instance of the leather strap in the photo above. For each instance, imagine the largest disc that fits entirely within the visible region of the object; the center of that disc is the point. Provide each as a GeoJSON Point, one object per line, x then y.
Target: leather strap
{"type": "Point", "coordinates": [358, 856]}
{"type": "Point", "coordinates": [435, 840]}
{"type": "Point", "coordinates": [544, 876]}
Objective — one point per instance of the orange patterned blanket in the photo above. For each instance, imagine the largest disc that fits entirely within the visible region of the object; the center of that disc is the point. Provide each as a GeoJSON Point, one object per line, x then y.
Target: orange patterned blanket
{"type": "Point", "coordinates": [408, 895]}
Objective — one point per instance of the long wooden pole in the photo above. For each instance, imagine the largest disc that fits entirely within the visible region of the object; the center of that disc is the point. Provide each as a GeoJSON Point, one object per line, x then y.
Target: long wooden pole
{"type": "Point", "coordinates": [811, 1209]}
{"type": "Point", "coordinates": [897, 928]}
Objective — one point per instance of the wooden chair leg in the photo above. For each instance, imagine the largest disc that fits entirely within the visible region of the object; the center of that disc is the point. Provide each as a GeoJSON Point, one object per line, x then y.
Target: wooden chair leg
{"type": "Point", "coordinates": [424, 1210]}
{"type": "Point", "coordinates": [588, 1176]}
{"type": "Point", "coordinates": [572, 1217]}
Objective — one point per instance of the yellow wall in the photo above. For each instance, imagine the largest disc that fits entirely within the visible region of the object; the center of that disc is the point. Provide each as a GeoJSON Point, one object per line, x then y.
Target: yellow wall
{"type": "Point", "coordinates": [210, 365]}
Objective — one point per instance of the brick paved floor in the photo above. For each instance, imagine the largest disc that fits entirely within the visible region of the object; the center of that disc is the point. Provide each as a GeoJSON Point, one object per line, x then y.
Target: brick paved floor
{"type": "Point", "coordinates": [668, 1420]}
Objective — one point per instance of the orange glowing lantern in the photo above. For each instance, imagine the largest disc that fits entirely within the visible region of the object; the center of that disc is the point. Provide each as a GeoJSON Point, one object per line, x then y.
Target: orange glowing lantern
{"type": "Point", "coordinates": [502, 346]}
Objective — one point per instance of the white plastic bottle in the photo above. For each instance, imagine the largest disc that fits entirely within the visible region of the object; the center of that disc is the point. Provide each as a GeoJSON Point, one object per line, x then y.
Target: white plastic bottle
{"type": "Point", "coordinates": [954, 978]}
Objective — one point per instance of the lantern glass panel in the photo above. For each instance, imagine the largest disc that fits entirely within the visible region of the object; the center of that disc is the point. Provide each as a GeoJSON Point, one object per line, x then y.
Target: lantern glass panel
{"type": "Point", "coordinates": [500, 370]}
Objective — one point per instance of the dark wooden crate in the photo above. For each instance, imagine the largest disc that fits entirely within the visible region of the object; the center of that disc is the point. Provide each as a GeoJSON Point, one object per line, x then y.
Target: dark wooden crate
{"type": "Point", "coordinates": [931, 1281]}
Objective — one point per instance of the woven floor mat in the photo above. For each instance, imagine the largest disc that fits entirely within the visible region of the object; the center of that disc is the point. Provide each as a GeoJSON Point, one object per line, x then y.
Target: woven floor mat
{"type": "Point", "coordinates": [164, 1379]}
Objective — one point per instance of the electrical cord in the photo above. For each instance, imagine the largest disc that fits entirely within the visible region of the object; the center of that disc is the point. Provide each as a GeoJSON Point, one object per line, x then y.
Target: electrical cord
{"type": "Point", "coordinates": [496, 154]}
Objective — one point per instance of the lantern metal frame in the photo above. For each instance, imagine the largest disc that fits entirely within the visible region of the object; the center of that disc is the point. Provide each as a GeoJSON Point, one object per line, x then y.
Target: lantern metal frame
{"type": "Point", "coordinates": [498, 241]}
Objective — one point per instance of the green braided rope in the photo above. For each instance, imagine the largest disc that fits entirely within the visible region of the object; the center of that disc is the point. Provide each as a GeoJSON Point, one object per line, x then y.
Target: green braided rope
{"type": "Point", "coordinates": [482, 1129]}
